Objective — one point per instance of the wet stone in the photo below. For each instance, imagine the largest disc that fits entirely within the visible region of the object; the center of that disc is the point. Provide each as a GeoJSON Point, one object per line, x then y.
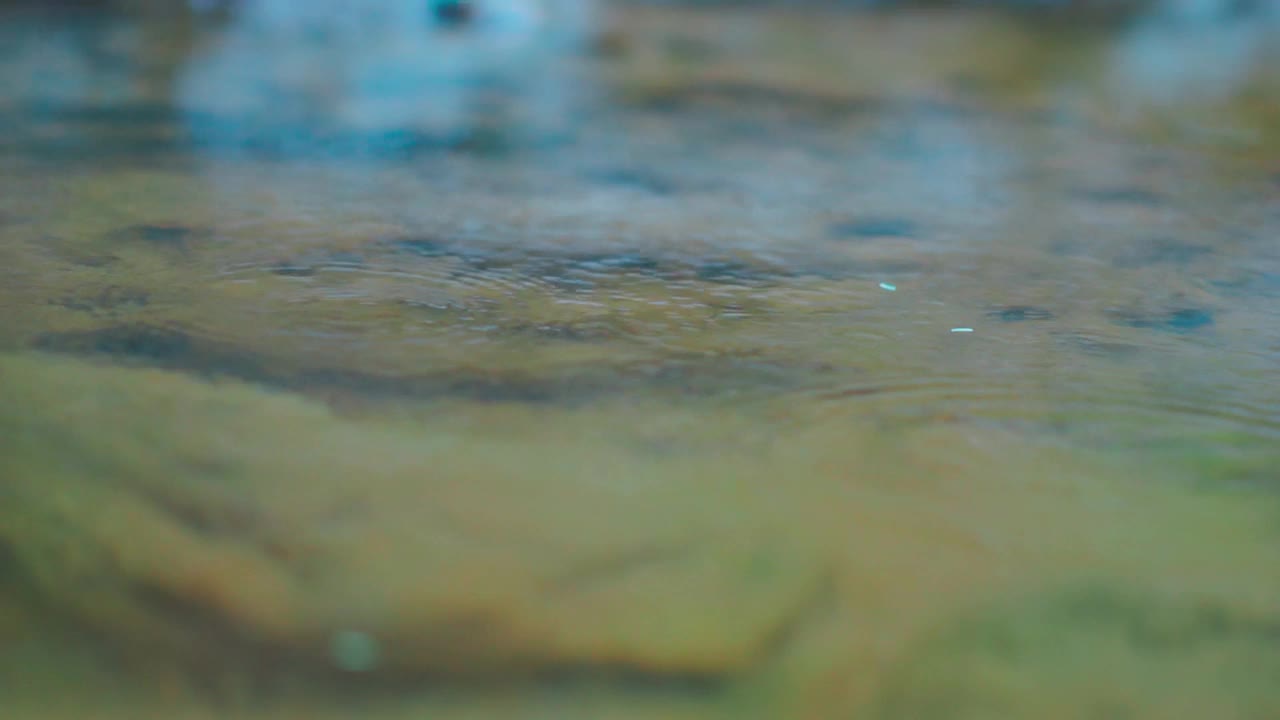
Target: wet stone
{"type": "Point", "coordinates": [875, 227]}
{"type": "Point", "coordinates": [1019, 313]}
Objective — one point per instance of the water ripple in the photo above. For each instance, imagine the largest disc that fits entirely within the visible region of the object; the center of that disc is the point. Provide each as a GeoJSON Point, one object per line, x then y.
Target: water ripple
{"type": "Point", "coordinates": [1108, 415]}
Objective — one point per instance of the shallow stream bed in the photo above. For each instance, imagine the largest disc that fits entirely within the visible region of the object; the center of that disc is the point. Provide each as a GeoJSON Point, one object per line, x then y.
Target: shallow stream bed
{"type": "Point", "coordinates": [892, 364]}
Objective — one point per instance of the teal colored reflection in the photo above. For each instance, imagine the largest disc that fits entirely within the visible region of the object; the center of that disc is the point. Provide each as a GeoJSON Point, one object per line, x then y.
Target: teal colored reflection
{"type": "Point", "coordinates": [289, 73]}
{"type": "Point", "coordinates": [1195, 51]}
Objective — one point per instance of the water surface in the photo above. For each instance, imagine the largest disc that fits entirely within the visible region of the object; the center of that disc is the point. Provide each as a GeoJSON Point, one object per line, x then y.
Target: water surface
{"type": "Point", "coordinates": [744, 363]}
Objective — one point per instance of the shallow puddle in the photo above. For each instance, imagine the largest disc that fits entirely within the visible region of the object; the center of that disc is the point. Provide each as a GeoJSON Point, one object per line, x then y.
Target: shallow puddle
{"type": "Point", "coordinates": [890, 363]}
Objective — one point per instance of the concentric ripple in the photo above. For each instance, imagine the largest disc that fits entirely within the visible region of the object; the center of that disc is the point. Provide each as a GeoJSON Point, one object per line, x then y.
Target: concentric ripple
{"type": "Point", "coordinates": [1076, 408]}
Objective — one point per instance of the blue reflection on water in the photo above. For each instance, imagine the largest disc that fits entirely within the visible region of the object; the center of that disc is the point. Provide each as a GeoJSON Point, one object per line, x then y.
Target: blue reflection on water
{"type": "Point", "coordinates": [295, 76]}
{"type": "Point", "coordinates": [1195, 50]}
{"type": "Point", "coordinates": [388, 69]}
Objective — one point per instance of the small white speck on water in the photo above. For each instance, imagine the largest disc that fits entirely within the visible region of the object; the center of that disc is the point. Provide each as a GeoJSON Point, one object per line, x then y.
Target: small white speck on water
{"type": "Point", "coordinates": [888, 286]}
{"type": "Point", "coordinates": [354, 651]}
{"type": "Point", "coordinates": [961, 329]}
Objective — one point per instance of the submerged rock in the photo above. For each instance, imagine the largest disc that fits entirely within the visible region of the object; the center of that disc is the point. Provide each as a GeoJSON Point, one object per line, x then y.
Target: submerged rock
{"type": "Point", "coordinates": [259, 526]}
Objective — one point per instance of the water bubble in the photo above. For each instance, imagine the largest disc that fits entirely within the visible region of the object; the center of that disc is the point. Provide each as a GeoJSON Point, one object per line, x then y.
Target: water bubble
{"type": "Point", "coordinates": [354, 651]}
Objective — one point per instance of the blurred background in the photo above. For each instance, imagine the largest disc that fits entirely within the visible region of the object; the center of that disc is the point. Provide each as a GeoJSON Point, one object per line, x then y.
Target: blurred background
{"type": "Point", "coordinates": [644, 360]}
